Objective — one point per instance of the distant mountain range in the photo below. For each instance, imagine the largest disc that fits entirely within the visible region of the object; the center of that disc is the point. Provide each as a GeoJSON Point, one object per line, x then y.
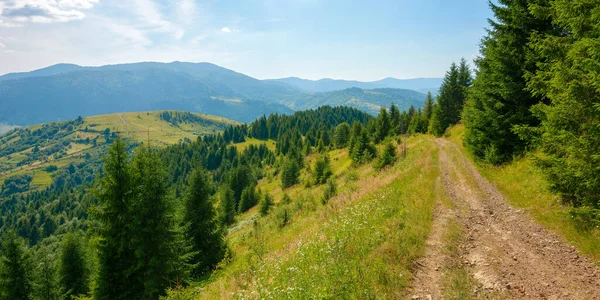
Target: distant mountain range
{"type": "Point", "coordinates": [422, 85]}
{"type": "Point", "coordinates": [66, 91]}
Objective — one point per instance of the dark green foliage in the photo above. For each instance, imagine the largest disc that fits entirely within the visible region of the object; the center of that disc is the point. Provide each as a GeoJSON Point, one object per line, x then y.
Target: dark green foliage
{"type": "Point", "coordinates": [152, 226]}
{"type": "Point", "coordinates": [387, 156]}
{"type": "Point", "coordinates": [73, 271]}
{"type": "Point", "coordinates": [330, 191]}
{"type": "Point", "coordinates": [450, 102]}
{"type": "Point", "coordinates": [227, 207]}
{"type": "Point", "coordinates": [290, 173]}
{"type": "Point", "coordinates": [265, 204]}
{"type": "Point", "coordinates": [16, 184]}
{"type": "Point", "coordinates": [499, 100]}
{"type": "Point", "coordinates": [363, 150]}
{"type": "Point", "coordinates": [569, 134]}
{"type": "Point", "coordinates": [46, 282]}
{"type": "Point", "coordinates": [116, 258]}
{"type": "Point", "coordinates": [249, 198]}
{"type": "Point", "coordinates": [322, 170]}
{"type": "Point", "coordinates": [341, 137]}
{"type": "Point", "coordinates": [419, 123]}
{"type": "Point", "coordinates": [395, 119]}
{"type": "Point", "coordinates": [201, 224]}
{"type": "Point", "coordinates": [383, 125]}
{"type": "Point", "coordinates": [15, 269]}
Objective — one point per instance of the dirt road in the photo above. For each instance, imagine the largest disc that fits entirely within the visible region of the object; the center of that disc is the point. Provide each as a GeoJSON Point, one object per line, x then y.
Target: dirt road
{"type": "Point", "coordinates": [507, 255]}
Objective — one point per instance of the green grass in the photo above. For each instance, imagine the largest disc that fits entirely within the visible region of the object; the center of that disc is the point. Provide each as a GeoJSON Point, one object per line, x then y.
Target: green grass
{"type": "Point", "coordinates": [252, 141]}
{"type": "Point", "coordinates": [361, 244]}
{"type": "Point", "coordinates": [139, 126]}
{"type": "Point", "coordinates": [524, 186]}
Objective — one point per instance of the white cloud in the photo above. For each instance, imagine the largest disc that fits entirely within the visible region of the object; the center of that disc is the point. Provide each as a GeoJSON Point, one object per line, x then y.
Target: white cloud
{"type": "Point", "coordinates": [185, 11]}
{"type": "Point", "coordinates": [2, 45]}
{"type": "Point", "coordinates": [226, 29]}
{"type": "Point", "coordinates": [85, 4]}
{"type": "Point", "coordinates": [15, 13]}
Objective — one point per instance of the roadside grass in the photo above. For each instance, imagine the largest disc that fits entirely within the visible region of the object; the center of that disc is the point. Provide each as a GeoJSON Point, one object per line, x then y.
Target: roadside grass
{"type": "Point", "coordinates": [362, 243]}
{"type": "Point", "coordinates": [524, 186]}
{"type": "Point", "coordinates": [457, 282]}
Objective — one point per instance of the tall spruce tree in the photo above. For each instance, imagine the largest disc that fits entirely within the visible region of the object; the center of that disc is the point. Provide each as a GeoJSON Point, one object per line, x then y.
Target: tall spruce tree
{"type": "Point", "coordinates": [395, 119]}
{"type": "Point", "coordinates": [569, 134]}
{"type": "Point", "coordinates": [152, 226]}
{"type": "Point", "coordinates": [73, 271]}
{"type": "Point", "coordinates": [227, 205]}
{"type": "Point", "coordinates": [15, 269]}
{"type": "Point", "coordinates": [342, 135]}
{"type": "Point", "coordinates": [116, 257]}
{"type": "Point", "coordinates": [202, 226]}
{"type": "Point", "coordinates": [383, 125]}
{"type": "Point", "coordinates": [499, 99]}
{"type": "Point", "coordinates": [453, 92]}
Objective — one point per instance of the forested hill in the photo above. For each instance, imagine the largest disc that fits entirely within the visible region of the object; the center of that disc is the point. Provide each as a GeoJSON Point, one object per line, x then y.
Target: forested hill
{"type": "Point", "coordinates": [65, 91]}
{"type": "Point", "coordinates": [184, 182]}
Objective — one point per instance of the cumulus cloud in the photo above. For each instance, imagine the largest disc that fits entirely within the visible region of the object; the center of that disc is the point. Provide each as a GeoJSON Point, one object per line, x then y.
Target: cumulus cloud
{"type": "Point", "coordinates": [226, 29]}
{"type": "Point", "coordinates": [2, 45]}
{"type": "Point", "coordinates": [15, 13]}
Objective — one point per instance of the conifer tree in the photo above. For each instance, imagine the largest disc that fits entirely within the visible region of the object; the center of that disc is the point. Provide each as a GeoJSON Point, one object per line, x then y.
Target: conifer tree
{"type": "Point", "coordinates": [342, 135]}
{"type": "Point", "coordinates": [201, 224]}
{"type": "Point", "coordinates": [249, 198]}
{"type": "Point", "coordinates": [363, 150]}
{"type": "Point", "coordinates": [152, 226]}
{"type": "Point", "coordinates": [116, 257]}
{"type": "Point", "coordinates": [568, 137]}
{"type": "Point", "coordinates": [290, 173]}
{"type": "Point", "coordinates": [395, 119]}
{"type": "Point", "coordinates": [265, 204]}
{"type": "Point", "coordinates": [74, 272]}
{"type": "Point", "coordinates": [322, 170]}
{"type": "Point", "coordinates": [227, 206]}
{"type": "Point", "coordinates": [499, 99]}
{"type": "Point", "coordinates": [46, 284]}
{"type": "Point", "coordinates": [428, 107]}
{"type": "Point", "coordinates": [383, 125]}
{"type": "Point", "coordinates": [15, 269]}
{"type": "Point", "coordinates": [387, 157]}
{"type": "Point", "coordinates": [452, 97]}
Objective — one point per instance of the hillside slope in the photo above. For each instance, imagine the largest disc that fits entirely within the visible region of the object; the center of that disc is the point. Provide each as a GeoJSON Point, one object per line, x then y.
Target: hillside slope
{"type": "Point", "coordinates": [30, 150]}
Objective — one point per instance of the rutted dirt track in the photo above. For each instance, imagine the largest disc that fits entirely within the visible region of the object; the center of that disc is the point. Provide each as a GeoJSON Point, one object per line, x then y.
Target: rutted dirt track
{"type": "Point", "coordinates": [506, 252]}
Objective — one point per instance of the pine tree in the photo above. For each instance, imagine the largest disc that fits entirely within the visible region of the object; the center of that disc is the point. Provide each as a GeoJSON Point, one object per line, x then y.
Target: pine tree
{"type": "Point", "coordinates": [46, 284]}
{"type": "Point", "coordinates": [387, 157]}
{"type": "Point", "coordinates": [227, 206]}
{"type": "Point", "coordinates": [499, 99]}
{"type": "Point", "coordinates": [322, 170]}
{"type": "Point", "coordinates": [152, 226]}
{"type": "Point", "coordinates": [395, 119]}
{"type": "Point", "coordinates": [453, 91]}
{"type": "Point", "coordinates": [290, 173]}
{"type": "Point", "coordinates": [265, 204]}
{"type": "Point", "coordinates": [383, 125]}
{"type": "Point", "coordinates": [249, 198]}
{"type": "Point", "coordinates": [342, 135]}
{"type": "Point", "coordinates": [202, 226]}
{"type": "Point", "coordinates": [116, 258]}
{"type": "Point", "coordinates": [428, 107]}
{"type": "Point", "coordinates": [15, 269]}
{"type": "Point", "coordinates": [73, 272]}
{"type": "Point", "coordinates": [569, 134]}
{"type": "Point", "coordinates": [363, 150]}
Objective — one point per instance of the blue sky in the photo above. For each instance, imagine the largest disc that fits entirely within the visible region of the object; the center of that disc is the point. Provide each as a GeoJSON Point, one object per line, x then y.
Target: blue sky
{"type": "Point", "coordinates": [361, 40]}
